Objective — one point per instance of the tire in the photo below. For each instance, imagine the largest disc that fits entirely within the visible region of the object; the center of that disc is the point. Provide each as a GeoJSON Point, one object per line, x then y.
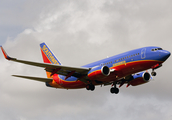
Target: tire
{"type": "Point", "coordinates": [92, 87]}
{"type": "Point", "coordinates": [153, 73]}
{"type": "Point", "coordinates": [114, 90]}
{"type": "Point", "coordinates": [88, 87]}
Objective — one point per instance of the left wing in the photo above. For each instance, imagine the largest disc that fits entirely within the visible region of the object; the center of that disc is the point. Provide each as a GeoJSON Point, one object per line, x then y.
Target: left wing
{"type": "Point", "coordinates": [54, 68]}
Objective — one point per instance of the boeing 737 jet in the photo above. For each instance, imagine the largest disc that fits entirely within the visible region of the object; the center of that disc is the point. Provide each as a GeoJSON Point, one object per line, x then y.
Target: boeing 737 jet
{"type": "Point", "coordinates": [128, 68]}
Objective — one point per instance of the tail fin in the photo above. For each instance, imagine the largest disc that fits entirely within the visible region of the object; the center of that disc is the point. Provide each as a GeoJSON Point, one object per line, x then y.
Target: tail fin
{"type": "Point", "coordinates": [47, 55]}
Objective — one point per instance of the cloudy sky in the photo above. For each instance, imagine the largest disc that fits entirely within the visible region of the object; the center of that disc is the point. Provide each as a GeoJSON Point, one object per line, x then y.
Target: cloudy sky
{"type": "Point", "coordinates": [80, 32]}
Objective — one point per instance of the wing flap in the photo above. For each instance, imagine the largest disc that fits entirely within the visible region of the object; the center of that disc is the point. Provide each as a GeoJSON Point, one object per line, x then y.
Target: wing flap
{"type": "Point", "coordinates": [35, 78]}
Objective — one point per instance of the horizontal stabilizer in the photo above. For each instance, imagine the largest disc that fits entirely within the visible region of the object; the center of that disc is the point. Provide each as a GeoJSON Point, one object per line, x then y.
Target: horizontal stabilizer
{"type": "Point", "coordinates": [35, 78]}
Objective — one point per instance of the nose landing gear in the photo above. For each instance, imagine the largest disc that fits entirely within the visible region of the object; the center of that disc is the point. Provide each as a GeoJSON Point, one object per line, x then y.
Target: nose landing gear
{"type": "Point", "coordinates": [155, 67]}
{"type": "Point", "coordinates": [153, 73]}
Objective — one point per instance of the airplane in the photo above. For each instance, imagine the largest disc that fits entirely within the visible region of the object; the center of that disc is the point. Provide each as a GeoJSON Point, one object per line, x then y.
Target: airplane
{"type": "Point", "coordinates": [127, 68]}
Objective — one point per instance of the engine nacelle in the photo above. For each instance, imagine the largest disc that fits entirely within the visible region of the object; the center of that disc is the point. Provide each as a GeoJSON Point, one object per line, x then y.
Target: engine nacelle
{"type": "Point", "coordinates": [140, 78]}
{"type": "Point", "coordinates": [98, 72]}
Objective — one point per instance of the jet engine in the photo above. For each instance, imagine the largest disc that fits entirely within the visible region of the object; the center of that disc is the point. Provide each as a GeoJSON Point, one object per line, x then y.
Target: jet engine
{"type": "Point", "coordinates": [140, 78]}
{"type": "Point", "coordinates": [98, 72]}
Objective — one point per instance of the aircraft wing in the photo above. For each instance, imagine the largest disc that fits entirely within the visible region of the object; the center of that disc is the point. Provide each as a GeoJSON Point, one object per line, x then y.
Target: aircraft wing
{"type": "Point", "coordinates": [35, 78]}
{"type": "Point", "coordinates": [54, 68]}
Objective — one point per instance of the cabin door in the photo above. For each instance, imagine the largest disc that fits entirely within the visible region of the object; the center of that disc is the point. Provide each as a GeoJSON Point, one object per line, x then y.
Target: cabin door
{"type": "Point", "coordinates": [143, 53]}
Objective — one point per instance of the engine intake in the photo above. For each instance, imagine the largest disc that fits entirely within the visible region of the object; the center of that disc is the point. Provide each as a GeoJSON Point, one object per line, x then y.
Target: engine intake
{"type": "Point", "coordinates": [146, 76]}
{"type": "Point", "coordinates": [105, 70]}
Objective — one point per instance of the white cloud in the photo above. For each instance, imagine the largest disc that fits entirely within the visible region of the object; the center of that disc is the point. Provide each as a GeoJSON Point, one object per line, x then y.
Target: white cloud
{"type": "Point", "coordinates": [80, 32]}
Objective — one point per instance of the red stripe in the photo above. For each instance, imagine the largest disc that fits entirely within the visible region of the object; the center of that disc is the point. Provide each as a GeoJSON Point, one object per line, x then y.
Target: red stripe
{"type": "Point", "coordinates": [5, 55]}
{"type": "Point", "coordinates": [45, 58]}
{"type": "Point", "coordinates": [121, 71]}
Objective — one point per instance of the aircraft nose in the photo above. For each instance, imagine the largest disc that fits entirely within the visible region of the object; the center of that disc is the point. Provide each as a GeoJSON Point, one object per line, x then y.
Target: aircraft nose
{"type": "Point", "coordinates": [165, 55]}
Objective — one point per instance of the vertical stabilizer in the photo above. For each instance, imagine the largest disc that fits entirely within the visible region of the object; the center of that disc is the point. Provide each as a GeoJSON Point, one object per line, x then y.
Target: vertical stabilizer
{"type": "Point", "coordinates": [48, 57]}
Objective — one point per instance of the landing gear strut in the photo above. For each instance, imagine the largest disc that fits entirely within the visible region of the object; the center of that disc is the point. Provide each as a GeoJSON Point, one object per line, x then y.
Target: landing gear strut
{"type": "Point", "coordinates": [90, 87]}
{"type": "Point", "coordinates": [114, 89]}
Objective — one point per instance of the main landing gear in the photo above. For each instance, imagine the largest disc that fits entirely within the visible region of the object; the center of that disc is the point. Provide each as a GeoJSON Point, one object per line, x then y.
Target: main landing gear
{"type": "Point", "coordinates": [114, 89]}
{"type": "Point", "coordinates": [90, 87]}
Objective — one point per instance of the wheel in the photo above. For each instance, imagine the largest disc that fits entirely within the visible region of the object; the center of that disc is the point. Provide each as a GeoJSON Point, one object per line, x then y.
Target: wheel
{"type": "Point", "coordinates": [90, 87]}
{"type": "Point", "coordinates": [153, 73]}
{"type": "Point", "coordinates": [114, 90]}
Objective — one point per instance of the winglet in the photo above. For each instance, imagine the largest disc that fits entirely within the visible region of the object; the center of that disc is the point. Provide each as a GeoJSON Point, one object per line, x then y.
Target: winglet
{"type": "Point", "coordinates": [5, 54]}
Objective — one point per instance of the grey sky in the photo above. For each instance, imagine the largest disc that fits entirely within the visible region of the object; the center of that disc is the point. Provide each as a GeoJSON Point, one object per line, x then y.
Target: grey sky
{"type": "Point", "coordinates": [80, 32]}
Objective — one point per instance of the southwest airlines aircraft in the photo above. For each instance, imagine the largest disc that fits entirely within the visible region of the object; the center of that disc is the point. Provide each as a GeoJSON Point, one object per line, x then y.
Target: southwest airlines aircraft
{"type": "Point", "coordinates": [126, 68]}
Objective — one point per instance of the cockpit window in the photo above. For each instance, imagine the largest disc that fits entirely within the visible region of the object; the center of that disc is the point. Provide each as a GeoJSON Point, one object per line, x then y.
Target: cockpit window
{"type": "Point", "coordinates": [159, 48]}
{"type": "Point", "coordinates": [155, 49]}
